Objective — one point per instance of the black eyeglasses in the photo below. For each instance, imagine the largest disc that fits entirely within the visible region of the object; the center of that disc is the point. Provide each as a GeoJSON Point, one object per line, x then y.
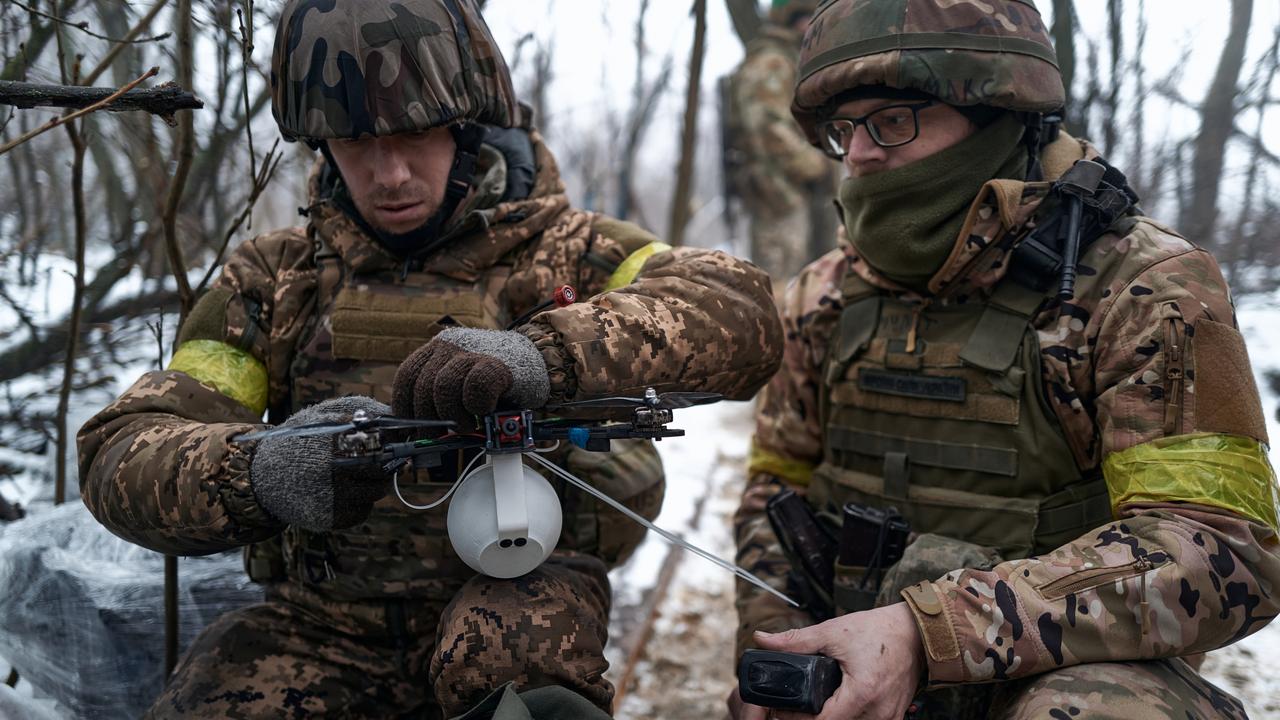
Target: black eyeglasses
{"type": "Point", "coordinates": [889, 126]}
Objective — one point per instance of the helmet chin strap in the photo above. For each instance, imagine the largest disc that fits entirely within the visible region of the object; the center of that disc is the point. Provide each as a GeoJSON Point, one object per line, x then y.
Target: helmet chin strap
{"type": "Point", "coordinates": [421, 241]}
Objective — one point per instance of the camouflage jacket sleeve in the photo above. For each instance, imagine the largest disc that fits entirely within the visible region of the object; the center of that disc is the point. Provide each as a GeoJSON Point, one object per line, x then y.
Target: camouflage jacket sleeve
{"type": "Point", "coordinates": [766, 83]}
{"type": "Point", "coordinates": [787, 443]}
{"type": "Point", "coordinates": [690, 320]}
{"type": "Point", "coordinates": [1192, 562]}
{"type": "Point", "coordinates": [157, 466]}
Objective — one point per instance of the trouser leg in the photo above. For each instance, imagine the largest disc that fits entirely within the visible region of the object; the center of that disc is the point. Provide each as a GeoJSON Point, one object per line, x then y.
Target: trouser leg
{"type": "Point", "coordinates": [545, 628]}
{"type": "Point", "coordinates": [1153, 689]}
{"type": "Point", "coordinates": [285, 659]}
{"type": "Point", "coordinates": [780, 243]}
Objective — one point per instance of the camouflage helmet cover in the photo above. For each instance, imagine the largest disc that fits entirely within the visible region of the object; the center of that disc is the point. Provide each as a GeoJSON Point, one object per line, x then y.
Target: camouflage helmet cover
{"type": "Point", "coordinates": [349, 68]}
{"type": "Point", "coordinates": [964, 52]}
{"type": "Point", "coordinates": [781, 11]}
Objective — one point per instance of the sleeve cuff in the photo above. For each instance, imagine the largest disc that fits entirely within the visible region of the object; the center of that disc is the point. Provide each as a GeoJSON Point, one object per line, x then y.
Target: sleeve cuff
{"type": "Point", "coordinates": [934, 619]}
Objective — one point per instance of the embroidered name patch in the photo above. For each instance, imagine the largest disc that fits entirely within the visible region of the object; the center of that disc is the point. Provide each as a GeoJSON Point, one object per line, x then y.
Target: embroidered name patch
{"type": "Point", "coordinates": [926, 387]}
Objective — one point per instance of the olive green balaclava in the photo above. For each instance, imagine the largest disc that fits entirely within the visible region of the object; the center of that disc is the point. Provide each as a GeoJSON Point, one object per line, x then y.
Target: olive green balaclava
{"type": "Point", "coordinates": [904, 221]}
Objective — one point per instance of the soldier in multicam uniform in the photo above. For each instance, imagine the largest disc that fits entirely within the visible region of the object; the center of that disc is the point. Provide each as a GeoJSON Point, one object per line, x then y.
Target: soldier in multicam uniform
{"type": "Point", "coordinates": [780, 172]}
{"type": "Point", "coordinates": [437, 217]}
{"type": "Point", "coordinates": [1085, 473]}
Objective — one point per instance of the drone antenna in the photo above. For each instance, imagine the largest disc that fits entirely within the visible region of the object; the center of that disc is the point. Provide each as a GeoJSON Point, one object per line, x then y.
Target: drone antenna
{"type": "Point", "coordinates": [673, 539]}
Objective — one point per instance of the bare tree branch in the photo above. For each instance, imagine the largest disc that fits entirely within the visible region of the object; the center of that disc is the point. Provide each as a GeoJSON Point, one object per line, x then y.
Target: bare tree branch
{"type": "Point", "coordinates": [55, 122]}
{"type": "Point", "coordinates": [83, 26]}
{"type": "Point", "coordinates": [143, 23]}
{"type": "Point", "coordinates": [185, 142]}
{"type": "Point", "coordinates": [164, 99]}
{"type": "Point", "coordinates": [684, 170]}
{"type": "Point", "coordinates": [1217, 114]}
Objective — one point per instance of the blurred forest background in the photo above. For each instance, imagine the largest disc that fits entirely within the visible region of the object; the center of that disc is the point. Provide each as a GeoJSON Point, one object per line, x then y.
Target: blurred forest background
{"type": "Point", "coordinates": [110, 224]}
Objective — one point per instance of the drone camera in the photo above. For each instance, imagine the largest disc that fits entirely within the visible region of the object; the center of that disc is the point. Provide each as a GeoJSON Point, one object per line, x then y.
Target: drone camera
{"type": "Point", "coordinates": [509, 432]}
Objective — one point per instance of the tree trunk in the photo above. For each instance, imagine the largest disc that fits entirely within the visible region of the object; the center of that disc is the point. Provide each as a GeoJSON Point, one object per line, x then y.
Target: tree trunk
{"type": "Point", "coordinates": [684, 172]}
{"type": "Point", "coordinates": [1064, 42]}
{"type": "Point", "coordinates": [1217, 115]}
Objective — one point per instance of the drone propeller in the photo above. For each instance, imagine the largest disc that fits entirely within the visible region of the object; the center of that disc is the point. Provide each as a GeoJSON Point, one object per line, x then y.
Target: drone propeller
{"type": "Point", "coordinates": [665, 401]}
{"type": "Point", "coordinates": [332, 428]}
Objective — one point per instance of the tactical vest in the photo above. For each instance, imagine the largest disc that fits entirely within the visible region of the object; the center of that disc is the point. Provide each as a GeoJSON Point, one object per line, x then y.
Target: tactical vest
{"type": "Point", "coordinates": [940, 412]}
{"type": "Point", "coordinates": [365, 325]}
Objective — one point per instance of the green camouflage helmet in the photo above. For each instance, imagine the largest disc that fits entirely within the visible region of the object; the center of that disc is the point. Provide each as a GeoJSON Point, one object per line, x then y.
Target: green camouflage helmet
{"type": "Point", "coordinates": [350, 68]}
{"type": "Point", "coordinates": [964, 52]}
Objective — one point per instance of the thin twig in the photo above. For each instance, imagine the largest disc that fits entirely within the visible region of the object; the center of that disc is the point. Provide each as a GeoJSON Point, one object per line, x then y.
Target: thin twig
{"type": "Point", "coordinates": [184, 145]}
{"type": "Point", "coordinates": [83, 26]}
{"type": "Point", "coordinates": [111, 55]}
{"type": "Point", "coordinates": [260, 183]}
{"type": "Point", "coordinates": [63, 119]}
{"type": "Point", "coordinates": [246, 54]}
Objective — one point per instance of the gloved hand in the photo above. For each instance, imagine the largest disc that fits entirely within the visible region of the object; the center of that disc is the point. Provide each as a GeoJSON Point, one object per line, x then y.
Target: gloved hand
{"type": "Point", "coordinates": [293, 479]}
{"type": "Point", "coordinates": [463, 372]}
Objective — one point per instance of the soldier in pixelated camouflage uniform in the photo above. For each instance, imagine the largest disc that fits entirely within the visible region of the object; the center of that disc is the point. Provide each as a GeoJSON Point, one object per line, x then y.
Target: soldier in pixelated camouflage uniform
{"type": "Point", "coordinates": [1085, 472]}
{"type": "Point", "coordinates": [437, 218]}
{"type": "Point", "coordinates": [780, 173]}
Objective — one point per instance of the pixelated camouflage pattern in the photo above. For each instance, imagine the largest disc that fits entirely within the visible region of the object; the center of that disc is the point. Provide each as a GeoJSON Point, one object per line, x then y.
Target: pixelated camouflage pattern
{"type": "Point", "coordinates": [158, 466]}
{"type": "Point", "coordinates": [545, 628]}
{"type": "Point", "coordinates": [301, 654]}
{"type": "Point", "coordinates": [1209, 576]}
{"type": "Point", "coordinates": [928, 45]}
{"type": "Point", "coordinates": [353, 68]}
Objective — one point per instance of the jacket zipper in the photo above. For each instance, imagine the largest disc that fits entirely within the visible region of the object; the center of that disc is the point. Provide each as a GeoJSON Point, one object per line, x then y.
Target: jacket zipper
{"type": "Point", "coordinates": [1092, 578]}
{"type": "Point", "coordinates": [1173, 377]}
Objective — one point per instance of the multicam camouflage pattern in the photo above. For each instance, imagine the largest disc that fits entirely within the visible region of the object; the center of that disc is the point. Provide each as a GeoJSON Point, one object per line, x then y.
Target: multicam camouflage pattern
{"type": "Point", "coordinates": [1167, 579]}
{"type": "Point", "coordinates": [966, 52]}
{"type": "Point", "coordinates": [692, 320]}
{"type": "Point", "coordinates": [300, 654]}
{"type": "Point", "coordinates": [349, 68]}
{"type": "Point", "coordinates": [780, 172]}
{"type": "Point", "coordinates": [1152, 690]}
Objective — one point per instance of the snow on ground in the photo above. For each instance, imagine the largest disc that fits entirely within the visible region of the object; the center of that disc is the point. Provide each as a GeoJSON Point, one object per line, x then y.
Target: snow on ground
{"type": "Point", "coordinates": [1236, 668]}
{"type": "Point", "coordinates": [686, 670]}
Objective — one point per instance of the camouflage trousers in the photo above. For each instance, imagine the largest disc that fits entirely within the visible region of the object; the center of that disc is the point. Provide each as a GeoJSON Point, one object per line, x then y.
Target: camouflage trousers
{"type": "Point", "coordinates": [300, 655]}
{"type": "Point", "coordinates": [1155, 689]}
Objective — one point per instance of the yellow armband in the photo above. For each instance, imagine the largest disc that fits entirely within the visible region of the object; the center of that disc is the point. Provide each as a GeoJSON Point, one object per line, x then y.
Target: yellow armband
{"type": "Point", "coordinates": [794, 472]}
{"type": "Point", "coordinates": [1225, 471]}
{"type": "Point", "coordinates": [232, 371]}
{"type": "Point", "coordinates": [630, 268]}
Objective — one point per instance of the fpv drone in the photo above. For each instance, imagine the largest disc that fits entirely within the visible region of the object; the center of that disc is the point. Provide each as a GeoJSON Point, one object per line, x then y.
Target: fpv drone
{"type": "Point", "coordinates": [505, 519]}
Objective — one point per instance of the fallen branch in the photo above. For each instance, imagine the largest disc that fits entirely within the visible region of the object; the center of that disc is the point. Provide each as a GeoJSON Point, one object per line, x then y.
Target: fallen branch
{"type": "Point", "coordinates": [63, 119]}
{"type": "Point", "coordinates": [163, 99]}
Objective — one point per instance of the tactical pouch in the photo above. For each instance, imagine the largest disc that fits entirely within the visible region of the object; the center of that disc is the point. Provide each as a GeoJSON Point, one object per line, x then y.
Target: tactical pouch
{"type": "Point", "coordinates": [854, 590]}
{"type": "Point", "coordinates": [264, 561]}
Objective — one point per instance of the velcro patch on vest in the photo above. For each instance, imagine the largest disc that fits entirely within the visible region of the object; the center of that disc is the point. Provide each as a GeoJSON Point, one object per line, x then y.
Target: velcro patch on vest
{"type": "Point", "coordinates": [389, 324]}
{"type": "Point", "coordinates": [924, 387]}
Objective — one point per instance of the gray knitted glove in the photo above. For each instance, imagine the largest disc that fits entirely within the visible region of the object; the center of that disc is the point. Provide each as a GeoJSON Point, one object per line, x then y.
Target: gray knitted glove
{"type": "Point", "coordinates": [293, 479]}
{"type": "Point", "coordinates": [463, 372]}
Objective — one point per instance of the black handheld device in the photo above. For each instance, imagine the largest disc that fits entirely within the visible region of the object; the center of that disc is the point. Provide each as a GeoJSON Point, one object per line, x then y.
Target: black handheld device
{"type": "Point", "coordinates": [787, 681]}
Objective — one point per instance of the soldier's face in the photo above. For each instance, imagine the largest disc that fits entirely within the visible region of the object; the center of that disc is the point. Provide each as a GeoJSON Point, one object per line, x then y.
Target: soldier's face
{"type": "Point", "coordinates": [941, 126]}
{"type": "Point", "coordinates": [397, 181]}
